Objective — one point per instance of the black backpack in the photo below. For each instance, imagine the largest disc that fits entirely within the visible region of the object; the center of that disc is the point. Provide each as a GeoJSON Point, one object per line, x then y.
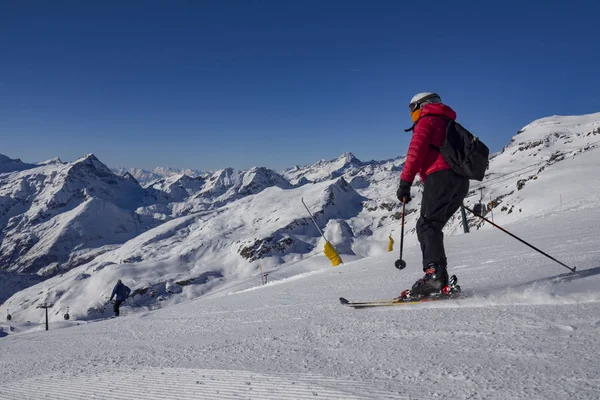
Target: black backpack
{"type": "Point", "coordinates": [466, 154]}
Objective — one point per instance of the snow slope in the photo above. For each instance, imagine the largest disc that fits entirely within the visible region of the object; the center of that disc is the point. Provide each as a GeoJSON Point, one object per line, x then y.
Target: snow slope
{"type": "Point", "coordinates": [537, 152]}
{"type": "Point", "coordinates": [529, 331]}
{"type": "Point", "coordinates": [188, 256]}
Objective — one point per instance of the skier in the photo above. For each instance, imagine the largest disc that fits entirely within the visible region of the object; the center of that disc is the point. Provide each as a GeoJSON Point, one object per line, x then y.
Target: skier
{"type": "Point", "coordinates": [443, 193]}
{"type": "Point", "coordinates": [122, 293]}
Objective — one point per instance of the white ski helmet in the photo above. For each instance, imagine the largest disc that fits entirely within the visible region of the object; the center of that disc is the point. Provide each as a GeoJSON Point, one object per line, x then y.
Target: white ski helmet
{"type": "Point", "coordinates": [423, 98]}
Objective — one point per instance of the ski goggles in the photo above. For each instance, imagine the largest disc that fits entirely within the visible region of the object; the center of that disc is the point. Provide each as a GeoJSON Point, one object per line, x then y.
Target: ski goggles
{"type": "Point", "coordinates": [417, 104]}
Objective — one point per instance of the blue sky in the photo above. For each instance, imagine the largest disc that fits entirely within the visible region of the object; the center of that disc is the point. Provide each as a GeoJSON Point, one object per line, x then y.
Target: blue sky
{"type": "Point", "coordinates": [212, 84]}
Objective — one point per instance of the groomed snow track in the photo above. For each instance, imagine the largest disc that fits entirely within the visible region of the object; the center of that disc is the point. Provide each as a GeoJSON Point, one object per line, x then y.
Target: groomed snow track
{"type": "Point", "coordinates": [187, 384]}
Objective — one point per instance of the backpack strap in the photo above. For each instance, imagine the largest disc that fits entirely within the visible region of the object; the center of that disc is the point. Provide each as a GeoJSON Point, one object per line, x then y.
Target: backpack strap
{"type": "Point", "coordinates": [412, 128]}
{"type": "Point", "coordinates": [433, 146]}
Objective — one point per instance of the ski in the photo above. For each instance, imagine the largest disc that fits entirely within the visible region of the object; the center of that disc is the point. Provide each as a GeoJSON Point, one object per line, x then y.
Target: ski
{"type": "Point", "coordinates": [450, 292]}
{"type": "Point", "coordinates": [398, 301]}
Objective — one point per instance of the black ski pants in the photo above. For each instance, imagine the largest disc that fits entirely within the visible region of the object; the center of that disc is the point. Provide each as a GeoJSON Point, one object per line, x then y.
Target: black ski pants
{"type": "Point", "coordinates": [116, 306]}
{"type": "Point", "coordinates": [443, 194]}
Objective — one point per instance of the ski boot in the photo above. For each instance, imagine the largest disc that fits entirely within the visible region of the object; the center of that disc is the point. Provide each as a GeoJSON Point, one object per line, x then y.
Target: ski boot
{"type": "Point", "coordinates": [435, 283]}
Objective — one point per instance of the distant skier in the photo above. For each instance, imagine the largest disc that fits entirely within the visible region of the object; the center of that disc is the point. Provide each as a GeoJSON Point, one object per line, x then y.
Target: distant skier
{"type": "Point", "coordinates": [443, 193]}
{"type": "Point", "coordinates": [122, 293]}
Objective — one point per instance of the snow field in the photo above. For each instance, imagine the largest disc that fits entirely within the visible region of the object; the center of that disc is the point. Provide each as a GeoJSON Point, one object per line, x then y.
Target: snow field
{"type": "Point", "coordinates": [188, 384]}
{"type": "Point", "coordinates": [530, 331]}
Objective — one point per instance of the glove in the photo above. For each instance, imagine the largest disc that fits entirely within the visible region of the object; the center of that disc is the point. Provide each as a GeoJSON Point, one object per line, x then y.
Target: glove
{"type": "Point", "coordinates": [403, 192]}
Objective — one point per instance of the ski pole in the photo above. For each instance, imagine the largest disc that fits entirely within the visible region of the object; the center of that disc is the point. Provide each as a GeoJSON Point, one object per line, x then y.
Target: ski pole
{"type": "Point", "coordinates": [520, 240]}
{"type": "Point", "coordinates": [400, 263]}
{"type": "Point", "coordinates": [313, 219]}
{"type": "Point", "coordinates": [134, 302]}
{"type": "Point", "coordinates": [330, 252]}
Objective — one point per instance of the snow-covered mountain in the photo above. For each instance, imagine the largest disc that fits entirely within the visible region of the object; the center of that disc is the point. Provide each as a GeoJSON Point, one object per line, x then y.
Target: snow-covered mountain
{"type": "Point", "coordinates": [323, 170]}
{"type": "Point", "coordinates": [58, 215]}
{"type": "Point", "coordinates": [217, 230]}
{"type": "Point", "coordinates": [145, 176]}
{"type": "Point", "coordinates": [509, 188]}
{"type": "Point", "coordinates": [227, 183]}
{"type": "Point", "coordinates": [181, 195]}
{"type": "Point", "coordinates": [55, 160]}
{"type": "Point", "coordinates": [9, 165]}
{"type": "Point", "coordinates": [55, 215]}
{"type": "Point", "coordinates": [177, 187]}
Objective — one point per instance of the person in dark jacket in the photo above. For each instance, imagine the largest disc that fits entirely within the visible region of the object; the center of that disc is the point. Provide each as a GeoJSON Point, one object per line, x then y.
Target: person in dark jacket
{"type": "Point", "coordinates": [443, 193]}
{"type": "Point", "coordinates": [122, 293]}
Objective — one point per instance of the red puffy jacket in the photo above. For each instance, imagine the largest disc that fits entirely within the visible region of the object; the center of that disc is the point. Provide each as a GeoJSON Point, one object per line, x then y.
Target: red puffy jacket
{"type": "Point", "coordinates": [421, 158]}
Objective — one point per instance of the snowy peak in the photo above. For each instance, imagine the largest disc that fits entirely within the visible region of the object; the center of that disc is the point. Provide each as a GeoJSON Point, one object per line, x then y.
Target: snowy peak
{"type": "Point", "coordinates": [55, 160]}
{"type": "Point", "coordinates": [90, 167]}
{"type": "Point", "coordinates": [48, 212]}
{"type": "Point", "coordinates": [178, 187]}
{"type": "Point", "coordinates": [259, 178]}
{"type": "Point", "coordinates": [349, 158]}
{"type": "Point", "coordinates": [180, 195]}
{"type": "Point", "coordinates": [9, 165]}
{"type": "Point", "coordinates": [143, 176]}
{"type": "Point", "coordinates": [550, 139]}
{"type": "Point", "coordinates": [346, 160]}
{"type": "Point", "coordinates": [91, 162]}
{"type": "Point", "coordinates": [147, 177]}
{"type": "Point", "coordinates": [130, 177]}
{"type": "Point", "coordinates": [222, 180]}
{"type": "Point", "coordinates": [517, 182]}
{"type": "Point", "coordinates": [90, 174]}
{"type": "Point", "coordinates": [568, 125]}
{"type": "Point", "coordinates": [229, 183]}
{"type": "Point", "coordinates": [323, 170]}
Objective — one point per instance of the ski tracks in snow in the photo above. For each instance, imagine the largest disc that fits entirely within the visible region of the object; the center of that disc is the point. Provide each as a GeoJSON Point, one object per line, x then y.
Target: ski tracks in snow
{"type": "Point", "coordinates": [183, 384]}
